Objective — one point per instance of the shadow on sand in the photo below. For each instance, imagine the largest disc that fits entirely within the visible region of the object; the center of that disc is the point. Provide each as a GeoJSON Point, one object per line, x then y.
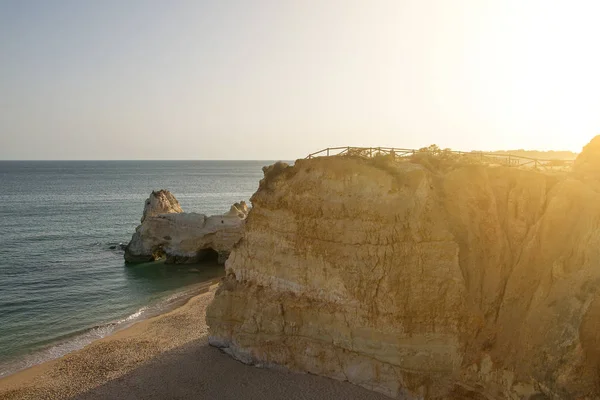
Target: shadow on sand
{"type": "Point", "coordinates": [198, 371]}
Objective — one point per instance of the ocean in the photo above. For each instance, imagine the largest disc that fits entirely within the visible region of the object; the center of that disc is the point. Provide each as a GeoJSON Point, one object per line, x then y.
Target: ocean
{"type": "Point", "coordinates": [63, 281]}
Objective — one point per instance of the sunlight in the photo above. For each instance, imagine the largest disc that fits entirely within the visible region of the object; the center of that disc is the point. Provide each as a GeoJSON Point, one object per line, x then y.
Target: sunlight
{"type": "Point", "coordinates": [536, 68]}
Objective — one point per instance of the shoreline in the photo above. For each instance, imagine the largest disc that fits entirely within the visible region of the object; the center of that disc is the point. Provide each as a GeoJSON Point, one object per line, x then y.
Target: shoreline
{"type": "Point", "coordinates": [176, 325]}
{"type": "Point", "coordinates": [83, 338]}
{"type": "Point", "coordinates": [166, 357]}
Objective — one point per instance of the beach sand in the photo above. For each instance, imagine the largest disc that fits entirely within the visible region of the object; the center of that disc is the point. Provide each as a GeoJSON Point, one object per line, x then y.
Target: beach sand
{"type": "Point", "coordinates": [167, 357]}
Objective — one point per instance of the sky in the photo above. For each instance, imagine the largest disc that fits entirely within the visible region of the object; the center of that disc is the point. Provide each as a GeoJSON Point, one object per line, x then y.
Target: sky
{"type": "Point", "coordinates": [279, 79]}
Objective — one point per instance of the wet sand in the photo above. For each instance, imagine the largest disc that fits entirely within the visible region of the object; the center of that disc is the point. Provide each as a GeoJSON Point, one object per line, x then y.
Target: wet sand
{"type": "Point", "coordinates": [167, 357]}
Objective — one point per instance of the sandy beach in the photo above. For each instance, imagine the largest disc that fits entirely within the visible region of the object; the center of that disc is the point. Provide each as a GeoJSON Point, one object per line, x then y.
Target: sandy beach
{"type": "Point", "coordinates": [167, 357]}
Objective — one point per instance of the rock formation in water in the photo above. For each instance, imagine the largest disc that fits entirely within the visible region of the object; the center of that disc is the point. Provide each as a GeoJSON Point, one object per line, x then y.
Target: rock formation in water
{"type": "Point", "coordinates": [467, 282]}
{"type": "Point", "coordinates": [166, 231]}
{"type": "Point", "coordinates": [161, 202]}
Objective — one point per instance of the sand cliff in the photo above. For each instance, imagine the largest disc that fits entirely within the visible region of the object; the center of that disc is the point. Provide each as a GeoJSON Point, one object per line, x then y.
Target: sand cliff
{"type": "Point", "coordinates": [463, 282]}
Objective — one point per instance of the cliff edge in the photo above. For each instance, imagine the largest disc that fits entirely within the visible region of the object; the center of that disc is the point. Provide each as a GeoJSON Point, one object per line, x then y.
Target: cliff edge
{"type": "Point", "coordinates": [468, 282]}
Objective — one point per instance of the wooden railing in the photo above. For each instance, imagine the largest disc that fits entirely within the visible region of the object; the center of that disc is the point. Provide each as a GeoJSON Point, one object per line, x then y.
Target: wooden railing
{"type": "Point", "coordinates": [509, 160]}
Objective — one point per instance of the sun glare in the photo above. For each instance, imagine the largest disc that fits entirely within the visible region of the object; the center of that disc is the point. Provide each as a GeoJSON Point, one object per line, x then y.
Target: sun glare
{"type": "Point", "coordinates": [535, 66]}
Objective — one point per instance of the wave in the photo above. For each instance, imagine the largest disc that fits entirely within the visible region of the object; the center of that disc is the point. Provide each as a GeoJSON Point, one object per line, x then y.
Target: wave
{"type": "Point", "coordinates": [78, 340]}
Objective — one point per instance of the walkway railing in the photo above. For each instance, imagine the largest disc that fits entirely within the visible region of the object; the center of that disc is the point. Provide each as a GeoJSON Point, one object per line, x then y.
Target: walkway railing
{"type": "Point", "coordinates": [509, 160]}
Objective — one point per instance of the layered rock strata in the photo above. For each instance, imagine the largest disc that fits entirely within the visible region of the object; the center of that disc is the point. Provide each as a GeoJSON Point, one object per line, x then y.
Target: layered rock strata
{"type": "Point", "coordinates": [167, 232]}
{"type": "Point", "coordinates": [471, 282]}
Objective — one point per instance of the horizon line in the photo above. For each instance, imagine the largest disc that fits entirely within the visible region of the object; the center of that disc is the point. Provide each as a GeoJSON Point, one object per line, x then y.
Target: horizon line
{"type": "Point", "coordinates": [143, 159]}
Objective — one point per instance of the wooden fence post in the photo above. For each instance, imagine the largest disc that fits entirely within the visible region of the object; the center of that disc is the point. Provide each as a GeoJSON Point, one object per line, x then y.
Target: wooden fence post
{"type": "Point", "coordinates": [510, 160]}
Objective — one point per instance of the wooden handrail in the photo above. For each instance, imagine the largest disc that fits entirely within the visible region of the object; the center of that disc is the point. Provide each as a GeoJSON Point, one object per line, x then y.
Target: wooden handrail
{"type": "Point", "coordinates": [370, 152]}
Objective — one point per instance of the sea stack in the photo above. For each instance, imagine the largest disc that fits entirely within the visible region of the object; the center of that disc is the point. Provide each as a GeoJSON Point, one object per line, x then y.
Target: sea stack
{"type": "Point", "coordinates": [168, 232]}
{"type": "Point", "coordinates": [471, 281]}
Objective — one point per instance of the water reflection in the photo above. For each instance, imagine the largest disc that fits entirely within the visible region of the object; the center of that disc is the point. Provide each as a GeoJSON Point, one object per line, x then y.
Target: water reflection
{"type": "Point", "coordinates": [159, 277]}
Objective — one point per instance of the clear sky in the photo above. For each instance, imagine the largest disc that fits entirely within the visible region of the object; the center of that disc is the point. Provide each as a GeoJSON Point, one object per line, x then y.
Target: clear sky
{"type": "Point", "coordinates": [280, 79]}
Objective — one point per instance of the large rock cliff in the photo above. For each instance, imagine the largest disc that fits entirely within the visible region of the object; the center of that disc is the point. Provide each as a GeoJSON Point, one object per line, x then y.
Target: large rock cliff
{"type": "Point", "coordinates": [465, 282]}
{"type": "Point", "coordinates": [166, 231]}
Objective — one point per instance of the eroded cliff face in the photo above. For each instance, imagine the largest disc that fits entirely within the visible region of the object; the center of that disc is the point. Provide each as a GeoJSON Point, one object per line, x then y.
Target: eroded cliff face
{"type": "Point", "coordinates": [166, 231]}
{"type": "Point", "coordinates": [476, 282]}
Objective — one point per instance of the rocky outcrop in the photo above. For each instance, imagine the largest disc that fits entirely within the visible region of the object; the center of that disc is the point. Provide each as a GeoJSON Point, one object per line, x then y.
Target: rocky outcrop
{"type": "Point", "coordinates": [167, 232]}
{"type": "Point", "coordinates": [471, 282]}
{"type": "Point", "coordinates": [587, 164]}
{"type": "Point", "coordinates": [161, 202]}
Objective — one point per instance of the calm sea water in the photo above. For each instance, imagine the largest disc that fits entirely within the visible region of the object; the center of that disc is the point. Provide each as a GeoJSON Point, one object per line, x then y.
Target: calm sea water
{"type": "Point", "coordinates": [63, 282]}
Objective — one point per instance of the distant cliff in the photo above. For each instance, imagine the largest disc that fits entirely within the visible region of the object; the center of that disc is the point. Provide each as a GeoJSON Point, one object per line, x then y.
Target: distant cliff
{"type": "Point", "coordinates": [167, 232]}
{"type": "Point", "coordinates": [468, 282]}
